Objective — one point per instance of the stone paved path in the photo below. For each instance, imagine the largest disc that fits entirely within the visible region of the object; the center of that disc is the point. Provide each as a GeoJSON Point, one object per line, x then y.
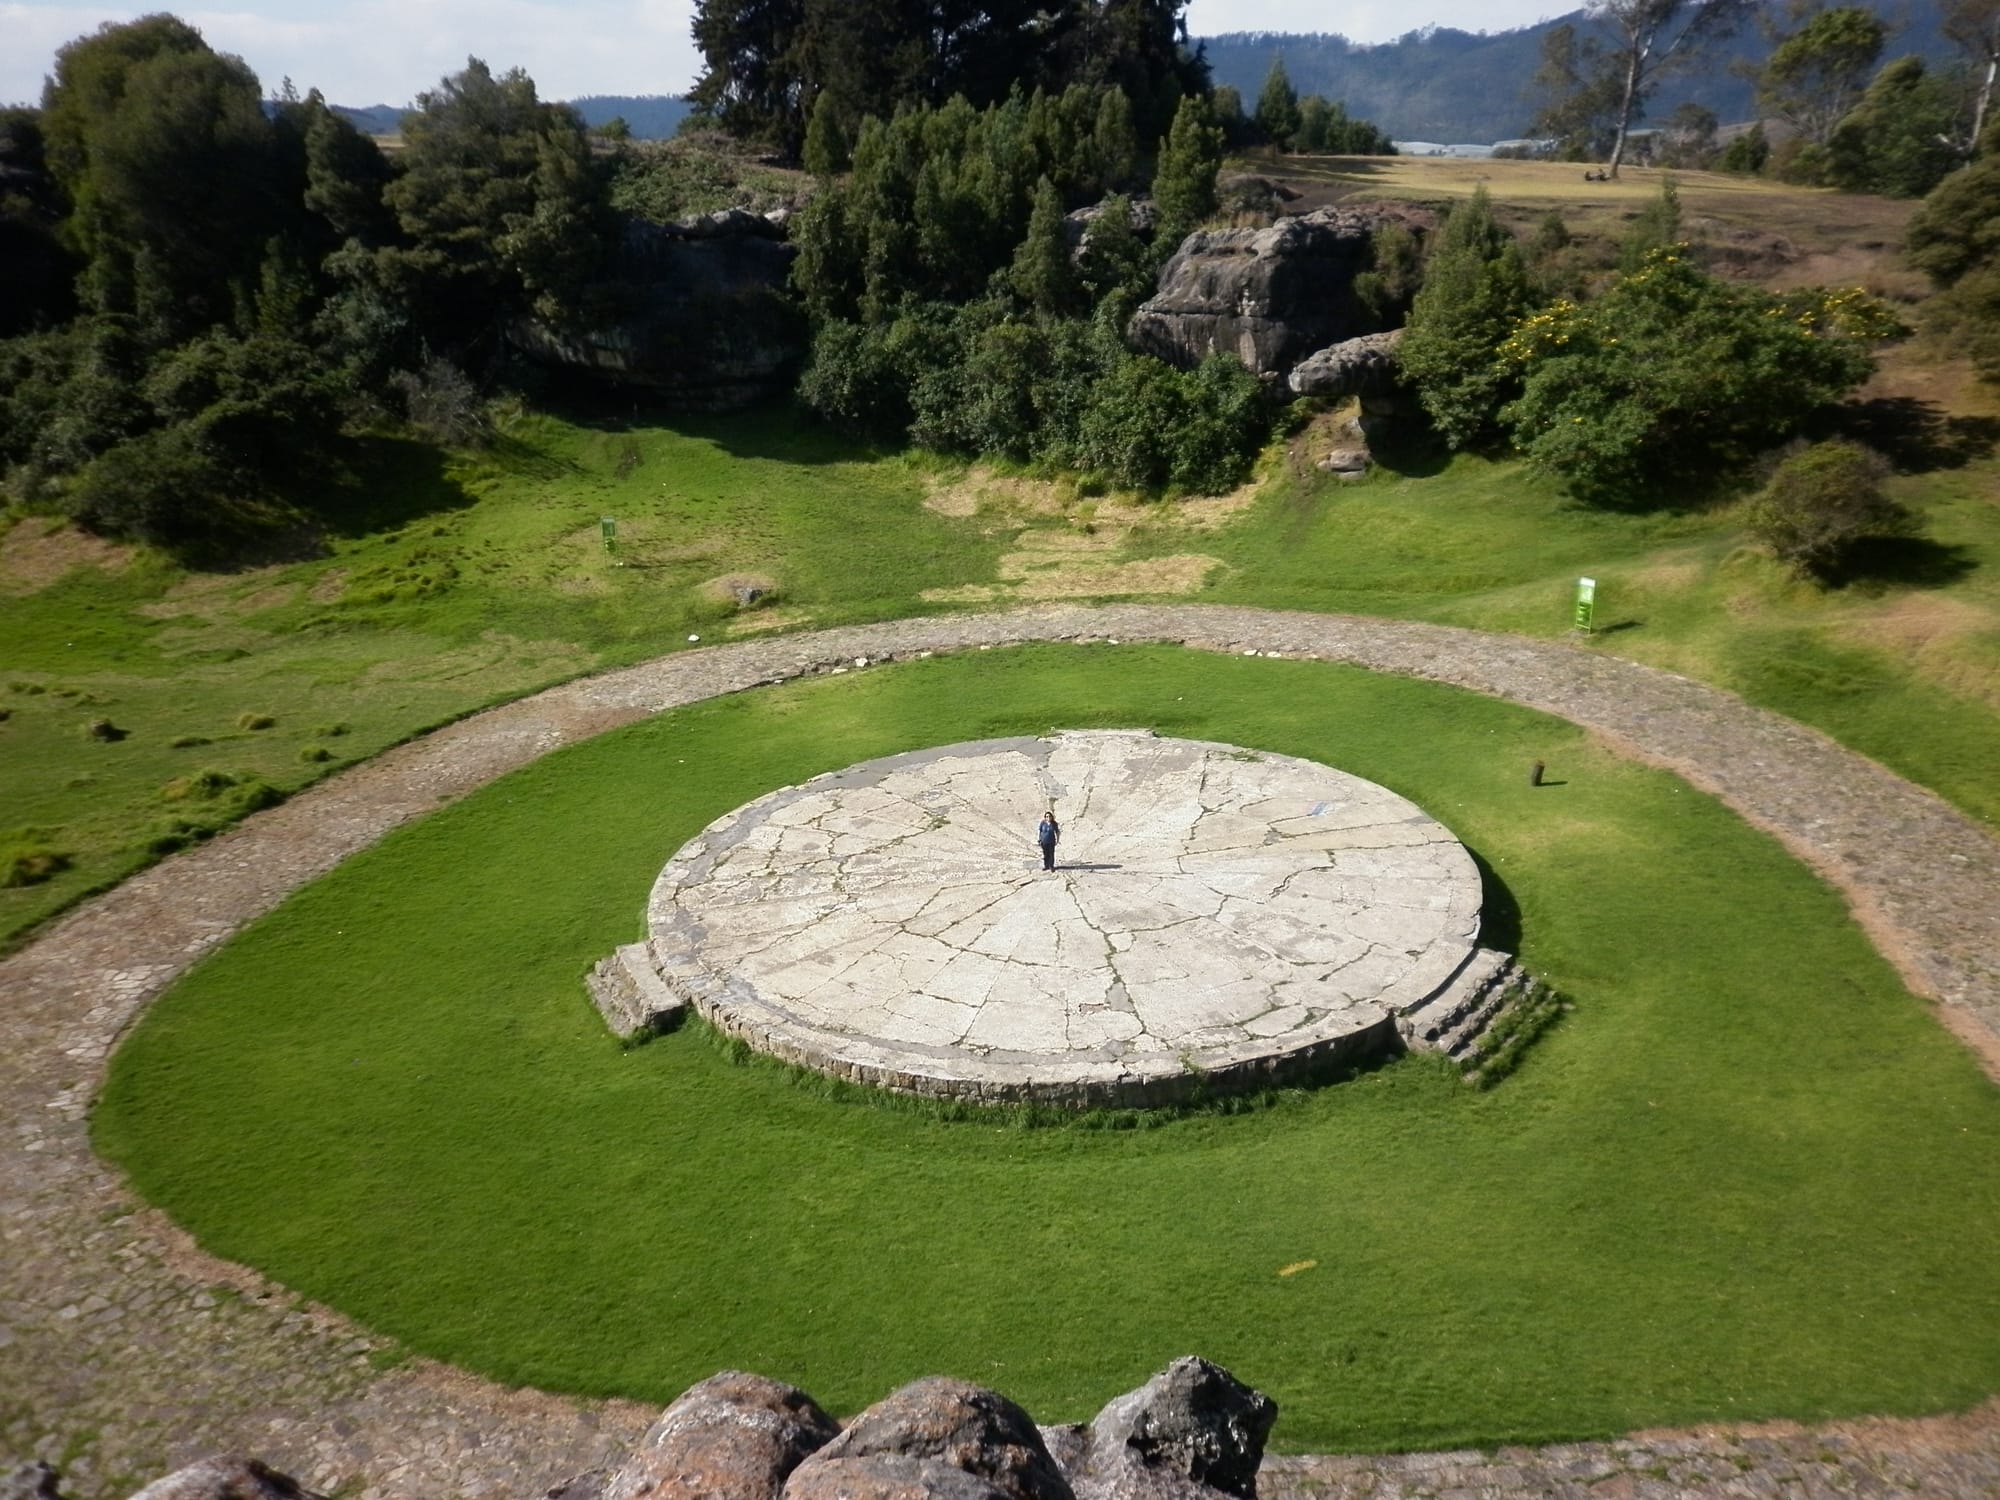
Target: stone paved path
{"type": "Point", "coordinates": [125, 1352]}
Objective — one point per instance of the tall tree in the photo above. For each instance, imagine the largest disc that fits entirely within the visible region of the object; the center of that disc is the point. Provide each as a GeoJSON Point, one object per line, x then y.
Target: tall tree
{"type": "Point", "coordinates": [1814, 76]}
{"type": "Point", "coordinates": [1638, 43]}
{"type": "Point", "coordinates": [498, 206]}
{"type": "Point", "coordinates": [163, 147]}
{"type": "Point", "coordinates": [1974, 25]}
{"type": "Point", "coordinates": [753, 73]}
{"type": "Point", "coordinates": [1579, 93]}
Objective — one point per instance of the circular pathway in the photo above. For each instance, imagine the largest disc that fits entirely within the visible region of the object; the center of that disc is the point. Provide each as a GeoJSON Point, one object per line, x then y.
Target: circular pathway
{"type": "Point", "coordinates": [124, 1352]}
{"type": "Point", "coordinates": [1219, 915]}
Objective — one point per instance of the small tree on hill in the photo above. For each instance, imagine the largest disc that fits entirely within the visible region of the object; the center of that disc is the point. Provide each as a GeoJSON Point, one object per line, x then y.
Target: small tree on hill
{"type": "Point", "coordinates": [1278, 106]}
{"type": "Point", "coordinates": [1896, 140]}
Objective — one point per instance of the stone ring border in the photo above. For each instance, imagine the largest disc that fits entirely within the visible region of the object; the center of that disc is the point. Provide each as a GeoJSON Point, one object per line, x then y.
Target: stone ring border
{"type": "Point", "coordinates": [1919, 876]}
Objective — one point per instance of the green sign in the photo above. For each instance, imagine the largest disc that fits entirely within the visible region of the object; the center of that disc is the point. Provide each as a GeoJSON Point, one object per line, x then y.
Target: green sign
{"type": "Point", "coordinates": [1586, 598]}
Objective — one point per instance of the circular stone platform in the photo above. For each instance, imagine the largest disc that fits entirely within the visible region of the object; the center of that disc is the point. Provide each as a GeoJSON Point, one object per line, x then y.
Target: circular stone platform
{"type": "Point", "coordinates": [1217, 914]}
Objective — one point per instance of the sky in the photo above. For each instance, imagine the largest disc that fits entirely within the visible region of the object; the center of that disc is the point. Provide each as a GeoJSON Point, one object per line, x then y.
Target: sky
{"type": "Point", "coordinates": [360, 52]}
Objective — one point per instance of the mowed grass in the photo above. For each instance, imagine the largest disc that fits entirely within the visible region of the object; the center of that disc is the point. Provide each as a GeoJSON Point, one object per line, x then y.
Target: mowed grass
{"type": "Point", "coordinates": [1746, 1177]}
{"type": "Point", "coordinates": [1901, 662]}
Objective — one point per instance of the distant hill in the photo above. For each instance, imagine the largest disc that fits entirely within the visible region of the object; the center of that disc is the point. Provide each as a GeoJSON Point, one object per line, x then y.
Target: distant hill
{"type": "Point", "coordinates": [1444, 85]}
{"type": "Point", "coordinates": [651, 116]}
{"type": "Point", "coordinates": [373, 119]}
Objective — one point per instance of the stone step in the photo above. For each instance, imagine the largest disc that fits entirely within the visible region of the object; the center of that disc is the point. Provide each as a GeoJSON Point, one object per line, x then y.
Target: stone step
{"type": "Point", "coordinates": [1462, 1040]}
{"type": "Point", "coordinates": [1446, 1008]}
{"type": "Point", "coordinates": [630, 994]}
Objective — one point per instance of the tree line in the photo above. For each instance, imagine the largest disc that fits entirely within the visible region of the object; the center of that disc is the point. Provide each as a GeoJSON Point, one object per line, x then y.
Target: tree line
{"type": "Point", "coordinates": [208, 289]}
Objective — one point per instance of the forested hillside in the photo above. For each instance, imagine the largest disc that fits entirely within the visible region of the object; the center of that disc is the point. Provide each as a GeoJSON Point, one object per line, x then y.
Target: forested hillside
{"type": "Point", "coordinates": [1444, 85]}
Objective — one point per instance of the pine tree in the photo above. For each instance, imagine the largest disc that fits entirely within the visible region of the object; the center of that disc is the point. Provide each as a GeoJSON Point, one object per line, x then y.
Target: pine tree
{"type": "Point", "coordinates": [1278, 107]}
{"type": "Point", "coordinates": [1042, 274]}
{"type": "Point", "coordinates": [1184, 181]}
{"type": "Point", "coordinates": [1475, 290]}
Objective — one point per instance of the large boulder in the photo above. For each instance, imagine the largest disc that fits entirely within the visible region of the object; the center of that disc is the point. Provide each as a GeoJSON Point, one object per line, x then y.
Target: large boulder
{"type": "Point", "coordinates": [1365, 366]}
{"type": "Point", "coordinates": [1268, 296]}
{"type": "Point", "coordinates": [226, 1478]}
{"type": "Point", "coordinates": [697, 314]}
{"type": "Point", "coordinates": [888, 1476]}
{"type": "Point", "coordinates": [956, 1423]}
{"type": "Point", "coordinates": [733, 1437]}
{"type": "Point", "coordinates": [1192, 1432]}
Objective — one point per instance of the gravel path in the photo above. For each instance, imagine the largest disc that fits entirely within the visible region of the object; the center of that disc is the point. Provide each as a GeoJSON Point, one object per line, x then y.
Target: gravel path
{"type": "Point", "coordinates": [125, 1352]}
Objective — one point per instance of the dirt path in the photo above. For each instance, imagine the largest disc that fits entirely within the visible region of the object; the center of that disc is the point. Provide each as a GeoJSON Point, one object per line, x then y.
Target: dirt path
{"type": "Point", "coordinates": [125, 1352]}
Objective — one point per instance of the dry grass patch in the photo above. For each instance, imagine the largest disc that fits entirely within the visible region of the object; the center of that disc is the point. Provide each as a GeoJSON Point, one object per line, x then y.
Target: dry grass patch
{"type": "Point", "coordinates": [34, 555]}
{"type": "Point", "coordinates": [1080, 559]}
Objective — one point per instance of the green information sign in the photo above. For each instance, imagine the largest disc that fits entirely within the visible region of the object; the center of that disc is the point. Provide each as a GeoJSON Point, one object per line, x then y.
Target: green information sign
{"type": "Point", "coordinates": [1586, 599]}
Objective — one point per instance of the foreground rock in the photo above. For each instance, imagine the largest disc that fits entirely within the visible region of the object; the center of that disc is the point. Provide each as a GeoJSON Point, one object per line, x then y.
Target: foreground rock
{"type": "Point", "coordinates": [733, 1437]}
{"type": "Point", "coordinates": [966, 1426]}
{"type": "Point", "coordinates": [1193, 1432]}
{"type": "Point", "coordinates": [226, 1479]}
{"type": "Point", "coordinates": [1268, 296]}
{"type": "Point", "coordinates": [699, 315]}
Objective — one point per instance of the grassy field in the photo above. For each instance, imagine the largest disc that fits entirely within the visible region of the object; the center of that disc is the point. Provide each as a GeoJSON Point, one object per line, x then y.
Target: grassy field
{"type": "Point", "coordinates": [488, 578]}
{"type": "Point", "coordinates": [1740, 1180]}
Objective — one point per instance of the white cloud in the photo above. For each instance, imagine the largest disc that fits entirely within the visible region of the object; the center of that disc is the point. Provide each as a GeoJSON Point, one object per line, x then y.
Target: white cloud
{"type": "Point", "coordinates": [1369, 20]}
{"type": "Point", "coordinates": [385, 51]}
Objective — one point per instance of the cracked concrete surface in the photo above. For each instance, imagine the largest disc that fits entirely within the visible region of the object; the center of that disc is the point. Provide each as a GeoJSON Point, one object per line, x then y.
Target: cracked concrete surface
{"type": "Point", "coordinates": [1215, 912]}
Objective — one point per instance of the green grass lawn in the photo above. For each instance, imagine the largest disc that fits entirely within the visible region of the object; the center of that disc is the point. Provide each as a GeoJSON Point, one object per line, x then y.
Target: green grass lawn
{"type": "Point", "coordinates": [1746, 1177]}
{"type": "Point", "coordinates": [1902, 663]}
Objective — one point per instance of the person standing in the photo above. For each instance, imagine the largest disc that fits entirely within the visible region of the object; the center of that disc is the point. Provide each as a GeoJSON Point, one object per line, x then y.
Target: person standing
{"type": "Point", "coordinates": [1046, 836]}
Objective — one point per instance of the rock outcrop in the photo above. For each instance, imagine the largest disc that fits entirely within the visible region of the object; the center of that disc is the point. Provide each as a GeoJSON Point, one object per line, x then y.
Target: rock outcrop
{"type": "Point", "coordinates": [1192, 1432]}
{"type": "Point", "coordinates": [698, 314]}
{"type": "Point", "coordinates": [733, 1437]}
{"type": "Point", "coordinates": [226, 1479]}
{"type": "Point", "coordinates": [966, 1426]}
{"type": "Point", "coordinates": [1268, 296]}
{"type": "Point", "coordinates": [1364, 366]}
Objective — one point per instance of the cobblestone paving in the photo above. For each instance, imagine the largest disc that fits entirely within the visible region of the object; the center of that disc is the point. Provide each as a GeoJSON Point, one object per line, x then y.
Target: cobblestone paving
{"type": "Point", "coordinates": [124, 1352]}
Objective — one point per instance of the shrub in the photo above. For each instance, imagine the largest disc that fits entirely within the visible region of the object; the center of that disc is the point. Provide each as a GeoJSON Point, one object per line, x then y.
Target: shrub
{"type": "Point", "coordinates": [1822, 500]}
{"type": "Point", "coordinates": [1674, 375]}
{"type": "Point", "coordinates": [254, 721]}
{"type": "Point", "coordinates": [27, 860]}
